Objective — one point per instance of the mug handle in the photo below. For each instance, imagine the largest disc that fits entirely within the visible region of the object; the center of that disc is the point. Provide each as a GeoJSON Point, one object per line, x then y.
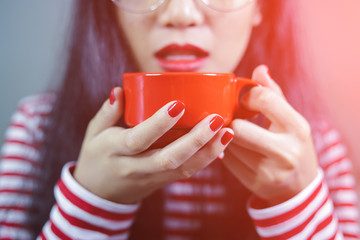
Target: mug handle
{"type": "Point", "coordinates": [243, 85]}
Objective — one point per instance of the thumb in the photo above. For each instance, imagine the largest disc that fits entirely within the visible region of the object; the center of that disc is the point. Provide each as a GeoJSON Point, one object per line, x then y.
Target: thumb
{"type": "Point", "coordinates": [108, 115]}
{"type": "Point", "coordinates": [261, 74]}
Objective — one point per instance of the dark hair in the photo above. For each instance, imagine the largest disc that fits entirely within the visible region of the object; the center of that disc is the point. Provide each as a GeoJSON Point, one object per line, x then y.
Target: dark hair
{"type": "Point", "coordinates": [99, 55]}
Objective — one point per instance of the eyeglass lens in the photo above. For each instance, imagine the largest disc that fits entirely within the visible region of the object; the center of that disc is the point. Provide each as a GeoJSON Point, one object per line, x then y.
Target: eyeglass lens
{"type": "Point", "coordinates": [142, 6]}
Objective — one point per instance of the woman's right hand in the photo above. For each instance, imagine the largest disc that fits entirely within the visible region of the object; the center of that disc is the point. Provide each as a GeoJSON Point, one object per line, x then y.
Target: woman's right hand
{"type": "Point", "coordinates": [115, 163]}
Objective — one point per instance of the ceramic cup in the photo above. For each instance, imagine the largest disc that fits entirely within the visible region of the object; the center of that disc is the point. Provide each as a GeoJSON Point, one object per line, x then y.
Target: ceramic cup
{"type": "Point", "coordinates": [202, 94]}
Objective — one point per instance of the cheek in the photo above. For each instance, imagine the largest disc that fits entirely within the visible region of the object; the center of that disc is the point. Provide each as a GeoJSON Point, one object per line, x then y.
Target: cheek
{"type": "Point", "coordinates": [136, 32]}
{"type": "Point", "coordinates": [230, 45]}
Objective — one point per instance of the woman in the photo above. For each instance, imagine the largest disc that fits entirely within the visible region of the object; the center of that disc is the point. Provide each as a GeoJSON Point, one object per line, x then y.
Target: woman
{"type": "Point", "coordinates": [112, 186]}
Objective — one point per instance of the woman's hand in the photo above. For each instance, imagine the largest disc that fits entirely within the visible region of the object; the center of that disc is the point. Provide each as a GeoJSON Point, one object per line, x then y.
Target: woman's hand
{"type": "Point", "coordinates": [274, 163]}
{"type": "Point", "coordinates": [115, 163]}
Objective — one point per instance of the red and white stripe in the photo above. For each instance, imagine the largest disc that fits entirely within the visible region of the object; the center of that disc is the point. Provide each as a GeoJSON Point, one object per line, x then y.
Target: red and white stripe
{"type": "Point", "coordinates": [19, 168]}
{"type": "Point", "coordinates": [81, 213]}
{"type": "Point", "coordinates": [338, 175]}
{"type": "Point", "coordinates": [299, 217]}
{"type": "Point", "coordinates": [326, 209]}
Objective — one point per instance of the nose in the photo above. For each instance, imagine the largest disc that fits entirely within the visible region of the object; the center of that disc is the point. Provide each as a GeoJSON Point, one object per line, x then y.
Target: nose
{"type": "Point", "coordinates": [180, 14]}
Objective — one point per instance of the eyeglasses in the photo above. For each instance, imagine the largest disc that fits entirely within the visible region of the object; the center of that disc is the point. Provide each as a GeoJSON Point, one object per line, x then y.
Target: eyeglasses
{"type": "Point", "coordinates": [144, 6]}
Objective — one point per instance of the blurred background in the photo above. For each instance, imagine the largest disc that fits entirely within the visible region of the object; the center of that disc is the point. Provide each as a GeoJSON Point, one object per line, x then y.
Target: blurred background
{"type": "Point", "coordinates": [332, 35]}
{"type": "Point", "coordinates": [31, 49]}
{"type": "Point", "coordinates": [31, 55]}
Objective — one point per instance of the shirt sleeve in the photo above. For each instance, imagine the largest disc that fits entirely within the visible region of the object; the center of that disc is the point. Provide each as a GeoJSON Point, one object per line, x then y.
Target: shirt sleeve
{"type": "Point", "coordinates": [308, 215]}
{"type": "Point", "coordinates": [326, 209]}
{"type": "Point", "coordinates": [20, 168]}
{"type": "Point", "coordinates": [79, 214]}
{"type": "Point", "coordinates": [338, 174]}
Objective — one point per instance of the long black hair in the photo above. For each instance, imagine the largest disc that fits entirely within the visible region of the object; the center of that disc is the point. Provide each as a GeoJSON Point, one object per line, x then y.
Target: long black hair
{"type": "Point", "coordinates": [99, 54]}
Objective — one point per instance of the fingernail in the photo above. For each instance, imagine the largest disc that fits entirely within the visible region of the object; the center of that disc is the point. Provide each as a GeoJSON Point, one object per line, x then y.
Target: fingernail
{"type": "Point", "coordinates": [216, 123]}
{"type": "Point", "coordinates": [221, 156]}
{"type": "Point", "coordinates": [112, 97]}
{"type": "Point", "coordinates": [176, 108]}
{"type": "Point", "coordinates": [226, 138]}
{"type": "Point", "coordinates": [268, 73]}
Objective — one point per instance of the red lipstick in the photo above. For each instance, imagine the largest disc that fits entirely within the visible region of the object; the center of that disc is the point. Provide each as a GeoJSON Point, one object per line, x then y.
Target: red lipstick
{"type": "Point", "coordinates": [181, 58]}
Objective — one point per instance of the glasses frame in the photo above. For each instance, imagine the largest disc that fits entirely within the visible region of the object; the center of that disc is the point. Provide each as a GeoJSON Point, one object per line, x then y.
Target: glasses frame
{"type": "Point", "coordinates": [161, 2]}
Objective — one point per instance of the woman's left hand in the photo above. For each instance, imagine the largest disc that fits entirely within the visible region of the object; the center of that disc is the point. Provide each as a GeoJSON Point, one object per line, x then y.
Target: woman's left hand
{"type": "Point", "coordinates": [277, 162]}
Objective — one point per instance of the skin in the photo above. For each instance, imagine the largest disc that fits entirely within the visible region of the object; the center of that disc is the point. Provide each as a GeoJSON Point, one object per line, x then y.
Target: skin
{"type": "Point", "coordinates": [275, 163]}
{"type": "Point", "coordinates": [190, 22]}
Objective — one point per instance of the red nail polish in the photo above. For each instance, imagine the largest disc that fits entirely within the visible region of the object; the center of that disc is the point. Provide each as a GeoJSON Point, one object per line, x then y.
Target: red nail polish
{"type": "Point", "coordinates": [226, 138]}
{"type": "Point", "coordinates": [216, 123]}
{"type": "Point", "coordinates": [176, 108]}
{"type": "Point", "coordinates": [221, 156]}
{"type": "Point", "coordinates": [112, 97]}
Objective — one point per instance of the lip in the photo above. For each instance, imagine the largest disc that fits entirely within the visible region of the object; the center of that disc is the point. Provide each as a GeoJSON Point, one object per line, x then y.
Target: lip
{"type": "Point", "coordinates": [181, 58]}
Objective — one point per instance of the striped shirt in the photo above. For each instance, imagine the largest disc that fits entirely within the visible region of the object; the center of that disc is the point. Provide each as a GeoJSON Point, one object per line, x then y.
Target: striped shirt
{"type": "Point", "coordinates": [325, 209]}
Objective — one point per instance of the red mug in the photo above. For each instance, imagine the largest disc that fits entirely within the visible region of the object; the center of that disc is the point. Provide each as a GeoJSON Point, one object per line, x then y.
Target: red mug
{"type": "Point", "coordinates": [202, 94]}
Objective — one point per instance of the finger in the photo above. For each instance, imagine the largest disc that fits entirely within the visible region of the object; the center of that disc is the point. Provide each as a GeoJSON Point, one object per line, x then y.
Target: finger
{"type": "Point", "coordinates": [137, 139]}
{"type": "Point", "coordinates": [274, 107]}
{"type": "Point", "coordinates": [176, 153]}
{"type": "Point", "coordinates": [200, 159]}
{"type": "Point", "coordinates": [248, 157]}
{"type": "Point", "coordinates": [173, 155]}
{"type": "Point", "coordinates": [255, 138]}
{"type": "Point", "coordinates": [238, 168]}
{"type": "Point", "coordinates": [206, 155]}
{"type": "Point", "coordinates": [108, 115]}
{"type": "Point", "coordinates": [261, 74]}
